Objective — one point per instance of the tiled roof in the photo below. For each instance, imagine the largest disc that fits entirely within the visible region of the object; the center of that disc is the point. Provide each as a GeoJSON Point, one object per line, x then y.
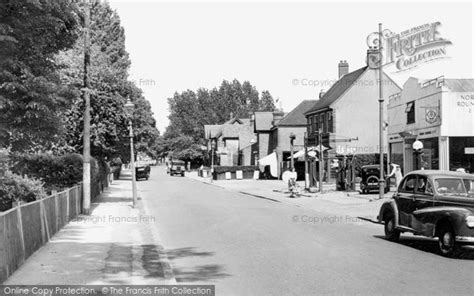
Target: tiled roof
{"type": "Point", "coordinates": [263, 121]}
{"type": "Point", "coordinates": [337, 90]}
{"type": "Point", "coordinates": [460, 85]}
{"type": "Point", "coordinates": [296, 116]}
{"type": "Point", "coordinates": [212, 131]}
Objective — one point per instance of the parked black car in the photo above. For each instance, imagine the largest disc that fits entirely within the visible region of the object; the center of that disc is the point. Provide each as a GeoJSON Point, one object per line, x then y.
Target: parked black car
{"type": "Point", "coordinates": [142, 171]}
{"type": "Point", "coordinates": [370, 175]}
{"type": "Point", "coordinates": [431, 203]}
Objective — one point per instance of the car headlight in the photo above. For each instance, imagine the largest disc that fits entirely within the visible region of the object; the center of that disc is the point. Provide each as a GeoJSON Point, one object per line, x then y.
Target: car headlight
{"type": "Point", "coordinates": [470, 221]}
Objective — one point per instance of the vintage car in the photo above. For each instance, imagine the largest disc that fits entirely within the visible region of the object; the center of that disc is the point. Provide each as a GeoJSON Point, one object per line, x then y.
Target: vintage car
{"type": "Point", "coordinates": [142, 171]}
{"type": "Point", "coordinates": [369, 175]}
{"type": "Point", "coordinates": [176, 167]}
{"type": "Point", "coordinates": [432, 203]}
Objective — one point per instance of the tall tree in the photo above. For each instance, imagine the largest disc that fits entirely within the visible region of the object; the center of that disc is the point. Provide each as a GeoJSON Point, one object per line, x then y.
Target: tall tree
{"type": "Point", "coordinates": [190, 111]}
{"type": "Point", "coordinates": [31, 93]}
{"type": "Point", "coordinates": [109, 80]}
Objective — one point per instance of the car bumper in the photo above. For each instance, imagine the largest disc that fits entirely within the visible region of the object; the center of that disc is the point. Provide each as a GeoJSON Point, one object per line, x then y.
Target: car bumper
{"type": "Point", "coordinates": [468, 240]}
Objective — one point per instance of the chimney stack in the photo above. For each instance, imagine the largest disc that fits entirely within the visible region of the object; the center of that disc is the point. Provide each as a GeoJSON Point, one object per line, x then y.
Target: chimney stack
{"type": "Point", "coordinates": [277, 116]}
{"type": "Point", "coordinates": [343, 68]}
{"type": "Point", "coordinates": [321, 93]}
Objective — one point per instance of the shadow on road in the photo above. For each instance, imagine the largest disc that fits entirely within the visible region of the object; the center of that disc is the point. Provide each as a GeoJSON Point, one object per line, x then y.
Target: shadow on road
{"type": "Point", "coordinates": [200, 273]}
{"type": "Point", "coordinates": [429, 245]}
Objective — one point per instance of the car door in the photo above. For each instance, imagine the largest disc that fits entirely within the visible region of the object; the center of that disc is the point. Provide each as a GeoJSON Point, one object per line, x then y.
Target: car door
{"type": "Point", "coordinates": [422, 198]}
{"type": "Point", "coordinates": [405, 200]}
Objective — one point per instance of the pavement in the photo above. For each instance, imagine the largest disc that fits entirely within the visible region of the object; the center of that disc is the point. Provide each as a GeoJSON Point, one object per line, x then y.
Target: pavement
{"type": "Point", "coordinates": [352, 204]}
{"type": "Point", "coordinates": [116, 244]}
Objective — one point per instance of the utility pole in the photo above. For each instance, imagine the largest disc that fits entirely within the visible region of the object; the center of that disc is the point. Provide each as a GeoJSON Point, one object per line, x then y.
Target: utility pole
{"type": "Point", "coordinates": [86, 152]}
{"type": "Point", "coordinates": [321, 160]}
{"type": "Point", "coordinates": [306, 167]}
{"type": "Point", "coordinates": [381, 121]}
{"type": "Point", "coordinates": [292, 163]}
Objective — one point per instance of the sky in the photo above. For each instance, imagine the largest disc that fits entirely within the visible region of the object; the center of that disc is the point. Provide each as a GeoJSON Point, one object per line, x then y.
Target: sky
{"type": "Point", "coordinates": [291, 49]}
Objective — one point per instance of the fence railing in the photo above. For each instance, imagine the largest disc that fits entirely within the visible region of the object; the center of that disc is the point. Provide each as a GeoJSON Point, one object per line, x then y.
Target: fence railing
{"type": "Point", "coordinates": [26, 227]}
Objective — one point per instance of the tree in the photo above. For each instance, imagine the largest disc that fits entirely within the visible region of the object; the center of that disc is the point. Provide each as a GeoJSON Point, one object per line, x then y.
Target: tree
{"type": "Point", "coordinates": [266, 102]}
{"type": "Point", "coordinates": [109, 80]}
{"type": "Point", "coordinates": [31, 93]}
{"type": "Point", "coordinates": [190, 111]}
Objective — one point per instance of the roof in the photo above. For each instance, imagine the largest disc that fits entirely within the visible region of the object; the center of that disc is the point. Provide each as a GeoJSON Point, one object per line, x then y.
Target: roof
{"type": "Point", "coordinates": [212, 131]}
{"type": "Point", "coordinates": [460, 85]}
{"type": "Point", "coordinates": [337, 90]}
{"type": "Point", "coordinates": [263, 121]}
{"type": "Point", "coordinates": [231, 130]}
{"type": "Point", "coordinates": [296, 116]}
{"type": "Point", "coordinates": [439, 173]}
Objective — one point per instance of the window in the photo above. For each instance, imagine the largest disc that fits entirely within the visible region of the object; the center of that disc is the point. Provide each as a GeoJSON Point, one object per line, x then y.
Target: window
{"type": "Point", "coordinates": [323, 122]}
{"type": "Point", "coordinates": [422, 185]}
{"type": "Point", "coordinates": [450, 186]}
{"type": "Point", "coordinates": [410, 111]}
{"type": "Point", "coordinates": [330, 122]}
{"type": "Point", "coordinates": [310, 130]}
{"type": "Point", "coordinates": [316, 127]}
{"type": "Point", "coordinates": [409, 184]}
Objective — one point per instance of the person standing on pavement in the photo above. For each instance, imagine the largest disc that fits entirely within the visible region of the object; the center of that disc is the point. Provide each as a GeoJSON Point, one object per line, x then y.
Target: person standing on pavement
{"type": "Point", "coordinates": [396, 173]}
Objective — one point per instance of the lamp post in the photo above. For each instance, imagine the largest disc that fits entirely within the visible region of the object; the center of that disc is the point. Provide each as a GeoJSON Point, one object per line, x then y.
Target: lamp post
{"type": "Point", "coordinates": [292, 139]}
{"type": "Point", "coordinates": [129, 106]}
{"type": "Point", "coordinates": [381, 119]}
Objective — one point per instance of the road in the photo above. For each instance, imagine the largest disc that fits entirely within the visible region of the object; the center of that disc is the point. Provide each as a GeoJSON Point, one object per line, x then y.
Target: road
{"type": "Point", "coordinates": [250, 246]}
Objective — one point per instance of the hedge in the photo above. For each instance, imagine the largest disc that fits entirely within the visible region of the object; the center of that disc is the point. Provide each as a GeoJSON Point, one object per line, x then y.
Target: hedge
{"type": "Point", "coordinates": [14, 188]}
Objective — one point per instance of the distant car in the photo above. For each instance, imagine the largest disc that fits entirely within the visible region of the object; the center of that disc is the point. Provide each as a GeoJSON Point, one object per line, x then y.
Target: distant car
{"type": "Point", "coordinates": [142, 171]}
{"type": "Point", "coordinates": [432, 203]}
{"type": "Point", "coordinates": [176, 167]}
{"type": "Point", "coordinates": [370, 175]}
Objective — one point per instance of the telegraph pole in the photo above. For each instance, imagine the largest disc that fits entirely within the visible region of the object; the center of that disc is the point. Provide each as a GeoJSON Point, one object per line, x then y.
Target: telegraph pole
{"type": "Point", "coordinates": [381, 121]}
{"type": "Point", "coordinates": [321, 161]}
{"type": "Point", "coordinates": [86, 153]}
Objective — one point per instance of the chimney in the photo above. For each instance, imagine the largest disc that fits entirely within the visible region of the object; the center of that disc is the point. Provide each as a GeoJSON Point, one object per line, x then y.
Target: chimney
{"type": "Point", "coordinates": [231, 115]}
{"type": "Point", "coordinates": [252, 119]}
{"type": "Point", "coordinates": [321, 93]}
{"type": "Point", "coordinates": [343, 68]}
{"type": "Point", "coordinates": [277, 116]}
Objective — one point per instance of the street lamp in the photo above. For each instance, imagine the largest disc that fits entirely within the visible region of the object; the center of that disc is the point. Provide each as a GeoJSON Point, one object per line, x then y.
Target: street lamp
{"type": "Point", "coordinates": [129, 106]}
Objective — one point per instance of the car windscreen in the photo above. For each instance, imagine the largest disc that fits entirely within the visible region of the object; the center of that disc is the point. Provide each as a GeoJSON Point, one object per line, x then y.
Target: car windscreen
{"type": "Point", "coordinates": [450, 186]}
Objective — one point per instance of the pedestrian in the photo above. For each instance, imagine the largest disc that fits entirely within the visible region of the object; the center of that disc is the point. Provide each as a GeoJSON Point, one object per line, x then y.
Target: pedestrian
{"type": "Point", "coordinates": [396, 173]}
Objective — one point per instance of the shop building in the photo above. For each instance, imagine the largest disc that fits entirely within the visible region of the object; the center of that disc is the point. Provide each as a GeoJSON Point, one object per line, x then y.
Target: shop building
{"type": "Point", "coordinates": [440, 114]}
{"type": "Point", "coordinates": [347, 115]}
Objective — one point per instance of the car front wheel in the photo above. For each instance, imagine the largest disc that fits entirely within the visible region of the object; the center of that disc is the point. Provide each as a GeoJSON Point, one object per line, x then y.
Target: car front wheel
{"type": "Point", "coordinates": [391, 233]}
{"type": "Point", "coordinates": [447, 241]}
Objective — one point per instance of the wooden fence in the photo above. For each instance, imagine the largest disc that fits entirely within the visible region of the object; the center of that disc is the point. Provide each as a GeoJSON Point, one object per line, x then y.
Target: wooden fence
{"type": "Point", "coordinates": [25, 228]}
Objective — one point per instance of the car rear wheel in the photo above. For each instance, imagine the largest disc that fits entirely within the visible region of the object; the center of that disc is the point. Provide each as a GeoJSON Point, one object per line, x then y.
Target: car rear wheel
{"type": "Point", "coordinates": [447, 241]}
{"type": "Point", "coordinates": [391, 233]}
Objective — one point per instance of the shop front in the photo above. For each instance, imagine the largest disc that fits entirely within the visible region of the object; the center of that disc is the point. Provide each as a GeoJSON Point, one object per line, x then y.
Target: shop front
{"type": "Point", "coordinates": [431, 112]}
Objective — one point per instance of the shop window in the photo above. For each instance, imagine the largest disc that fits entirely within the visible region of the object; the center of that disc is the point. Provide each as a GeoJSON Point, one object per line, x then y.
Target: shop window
{"type": "Point", "coordinates": [410, 111]}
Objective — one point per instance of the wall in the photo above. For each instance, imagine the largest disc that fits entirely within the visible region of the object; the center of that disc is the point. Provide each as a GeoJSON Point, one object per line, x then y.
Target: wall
{"type": "Point", "coordinates": [457, 114]}
{"type": "Point", "coordinates": [357, 114]}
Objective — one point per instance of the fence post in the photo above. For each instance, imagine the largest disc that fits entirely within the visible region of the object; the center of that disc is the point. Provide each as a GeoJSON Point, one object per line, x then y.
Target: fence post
{"type": "Point", "coordinates": [56, 208]}
{"type": "Point", "coordinates": [67, 204]}
{"type": "Point", "coordinates": [20, 230]}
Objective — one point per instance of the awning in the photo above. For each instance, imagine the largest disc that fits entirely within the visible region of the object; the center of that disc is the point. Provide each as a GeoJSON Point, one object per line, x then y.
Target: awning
{"type": "Point", "coordinates": [272, 161]}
